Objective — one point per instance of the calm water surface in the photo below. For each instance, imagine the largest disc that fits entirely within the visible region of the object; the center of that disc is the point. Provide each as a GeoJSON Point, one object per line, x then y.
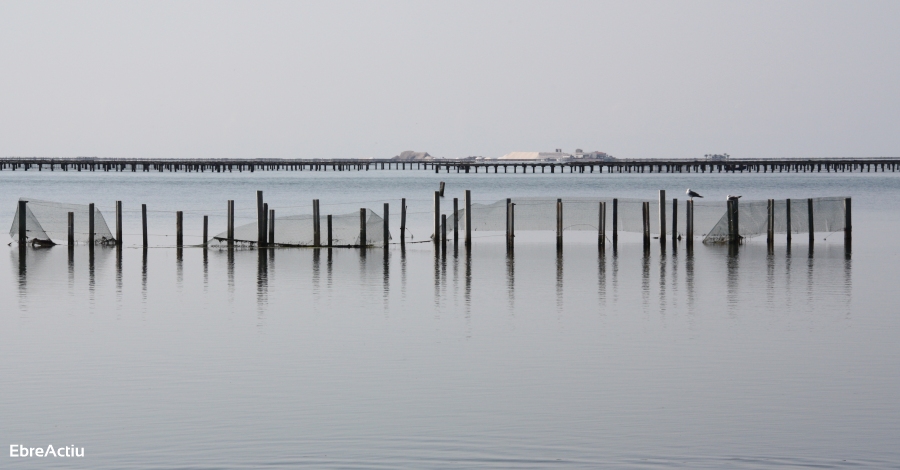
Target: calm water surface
{"type": "Point", "coordinates": [414, 359]}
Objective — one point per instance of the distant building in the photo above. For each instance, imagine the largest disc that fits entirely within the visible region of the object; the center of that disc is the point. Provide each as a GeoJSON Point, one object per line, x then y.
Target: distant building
{"type": "Point", "coordinates": [409, 155]}
{"type": "Point", "coordinates": [717, 157]}
{"type": "Point", "coordinates": [559, 155]}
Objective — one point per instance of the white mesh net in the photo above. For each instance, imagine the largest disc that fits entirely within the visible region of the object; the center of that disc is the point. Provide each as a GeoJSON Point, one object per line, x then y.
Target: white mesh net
{"type": "Point", "coordinates": [297, 230]}
{"type": "Point", "coordinates": [47, 221]}
{"type": "Point", "coordinates": [828, 216]}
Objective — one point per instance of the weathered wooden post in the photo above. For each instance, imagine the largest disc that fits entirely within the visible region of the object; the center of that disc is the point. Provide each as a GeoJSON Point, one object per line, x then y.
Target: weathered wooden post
{"type": "Point", "coordinates": [456, 221]}
{"type": "Point", "coordinates": [385, 222]}
{"type": "Point", "coordinates": [770, 222]}
{"type": "Point", "coordinates": [437, 217]}
{"type": "Point", "coordinates": [508, 208]}
{"type": "Point", "coordinates": [662, 216]}
{"type": "Point", "coordinates": [645, 216]}
{"type": "Point", "coordinates": [91, 224]}
{"type": "Point", "coordinates": [601, 227]}
{"type": "Point", "coordinates": [512, 224]}
{"type": "Point", "coordinates": [689, 222]}
{"type": "Point", "coordinates": [23, 222]}
{"type": "Point", "coordinates": [260, 220]}
{"type": "Point", "coordinates": [179, 229]}
{"type": "Point", "coordinates": [444, 232]}
{"type": "Point", "coordinates": [271, 220]}
{"type": "Point", "coordinates": [787, 210]}
{"type": "Point", "coordinates": [71, 229]}
{"type": "Point", "coordinates": [615, 221]}
{"type": "Point", "coordinates": [737, 225]}
{"type": "Point", "coordinates": [848, 226]}
{"type": "Point", "coordinates": [403, 219]}
{"type": "Point", "coordinates": [809, 209]}
{"type": "Point", "coordinates": [674, 221]}
{"type": "Point", "coordinates": [362, 228]}
{"type": "Point", "coordinates": [230, 233]}
{"type": "Point", "coordinates": [442, 188]}
{"type": "Point", "coordinates": [119, 223]}
{"type": "Point", "coordinates": [729, 211]}
{"type": "Point", "coordinates": [144, 223]}
{"type": "Point", "coordinates": [328, 222]}
{"type": "Point", "coordinates": [468, 207]}
{"type": "Point", "coordinates": [317, 234]}
{"type": "Point", "coordinates": [205, 230]}
{"type": "Point", "coordinates": [559, 224]}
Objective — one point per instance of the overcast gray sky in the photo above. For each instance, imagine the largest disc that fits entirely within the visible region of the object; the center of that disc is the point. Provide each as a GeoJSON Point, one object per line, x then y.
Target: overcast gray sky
{"type": "Point", "coordinates": [370, 79]}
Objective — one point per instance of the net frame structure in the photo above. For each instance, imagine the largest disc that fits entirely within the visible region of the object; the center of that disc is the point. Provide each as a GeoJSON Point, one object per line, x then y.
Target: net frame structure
{"type": "Point", "coordinates": [710, 217]}
{"type": "Point", "coordinates": [297, 231]}
{"type": "Point", "coordinates": [828, 217]}
{"type": "Point", "coordinates": [48, 222]}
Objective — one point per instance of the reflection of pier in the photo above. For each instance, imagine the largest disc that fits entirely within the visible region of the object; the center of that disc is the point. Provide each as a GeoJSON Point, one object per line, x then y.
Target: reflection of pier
{"type": "Point", "coordinates": [641, 165]}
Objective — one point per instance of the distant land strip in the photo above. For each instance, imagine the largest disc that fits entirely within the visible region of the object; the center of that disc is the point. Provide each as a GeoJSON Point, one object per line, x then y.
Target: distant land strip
{"type": "Point", "coordinates": [438, 165]}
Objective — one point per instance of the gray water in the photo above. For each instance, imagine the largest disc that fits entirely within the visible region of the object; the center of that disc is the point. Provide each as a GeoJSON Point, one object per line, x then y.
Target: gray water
{"type": "Point", "coordinates": [297, 357]}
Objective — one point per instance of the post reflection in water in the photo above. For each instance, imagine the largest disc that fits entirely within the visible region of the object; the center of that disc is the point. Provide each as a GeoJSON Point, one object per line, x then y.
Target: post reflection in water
{"type": "Point", "coordinates": [559, 280]}
{"type": "Point", "coordinates": [23, 270]}
{"type": "Point", "coordinates": [468, 290]}
{"type": "Point", "coordinates": [118, 272]}
{"type": "Point", "coordinates": [315, 273]}
{"type": "Point", "coordinates": [601, 277]}
{"type": "Point", "coordinates": [91, 272]}
{"type": "Point", "coordinates": [732, 263]}
{"type": "Point", "coordinates": [262, 280]}
{"type": "Point", "coordinates": [386, 276]}
{"type": "Point", "coordinates": [328, 270]}
{"type": "Point", "coordinates": [229, 268]}
{"type": "Point", "coordinates": [662, 277]}
{"type": "Point", "coordinates": [71, 252]}
{"type": "Point", "coordinates": [144, 274]}
{"type": "Point", "coordinates": [645, 278]}
{"type": "Point", "coordinates": [402, 269]}
{"type": "Point", "coordinates": [205, 268]}
{"type": "Point", "coordinates": [615, 273]}
{"type": "Point", "coordinates": [179, 267]}
{"type": "Point", "coordinates": [689, 278]}
{"type": "Point", "coordinates": [511, 277]}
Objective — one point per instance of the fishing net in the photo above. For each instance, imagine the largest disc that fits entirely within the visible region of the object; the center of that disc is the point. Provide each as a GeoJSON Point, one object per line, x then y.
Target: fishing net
{"type": "Point", "coordinates": [828, 216]}
{"type": "Point", "coordinates": [584, 214]}
{"type": "Point", "coordinates": [47, 221]}
{"type": "Point", "coordinates": [297, 230]}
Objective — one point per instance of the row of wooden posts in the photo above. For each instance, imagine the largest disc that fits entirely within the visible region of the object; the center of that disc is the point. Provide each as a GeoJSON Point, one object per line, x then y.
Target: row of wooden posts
{"type": "Point", "coordinates": [266, 222]}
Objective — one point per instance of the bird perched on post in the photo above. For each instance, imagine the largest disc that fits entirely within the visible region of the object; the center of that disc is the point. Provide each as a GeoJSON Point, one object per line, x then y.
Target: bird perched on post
{"type": "Point", "coordinates": [732, 198]}
{"type": "Point", "coordinates": [692, 194]}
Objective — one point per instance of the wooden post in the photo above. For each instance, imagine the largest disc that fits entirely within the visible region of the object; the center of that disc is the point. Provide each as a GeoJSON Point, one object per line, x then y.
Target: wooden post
{"type": "Point", "coordinates": [230, 222]}
{"type": "Point", "coordinates": [442, 188]}
{"type": "Point", "coordinates": [601, 227]}
{"type": "Point", "coordinates": [512, 224]}
{"type": "Point", "coordinates": [674, 221]}
{"type": "Point", "coordinates": [437, 217]}
{"type": "Point", "coordinates": [144, 223]}
{"type": "Point", "coordinates": [23, 222]}
{"type": "Point", "coordinates": [271, 221]}
{"type": "Point", "coordinates": [737, 225]}
{"type": "Point", "coordinates": [91, 224]}
{"type": "Point", "coordinates": [770, 222]}
{"type": "Point", "coordinates": [328, 222]}
{"type": "Point", "coordinates": [444, 231]}
{"type": "Point", "coordinates": [662, 216]}
{"type": "Point", "coordinates": [848, 226]}
{"type": "Point", "coordinates": [205, 230]}
{"type": "Point", "coordinates": [362, 227]}
{"type": "Point", "coordinates": [179, 229]}
{"type": "Point", "coordinates": [260, 220]}
{"type": "Point", "coordinates": [689, 222]}
{"type": "Point", "coordinates": [317, 234]}
{"type": "Point", "coordinates": [455, 221]}
{"type": "Point", "coordinates": [729, 212]}
{"type": "Point", "coordinates": [809, 209]}
{"type": "Point", "coordinates": [559, 224]}
{"type": "Point", "coordinates": [508, 208]}
{"type": "Point", "coordinates": [71, 229]}
{"type": "Point", "coordinates": [403, 219]}
{"type": "Point", "coordinates": [645, 213]}
{"type": "Point", "coordinates": [386, 223]}
{"type": "Point", "coordinates": [787, 207]}
{"type": "Point", "coordinates": [615, 221]}
{"type": "Point", "coordinates": [468, 207]}
{"type": "Point", "coordinates": [119, 223]}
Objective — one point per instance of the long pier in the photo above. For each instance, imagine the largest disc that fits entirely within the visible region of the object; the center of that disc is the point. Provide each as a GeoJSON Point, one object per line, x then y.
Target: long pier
{"type": "Point", "coordinates": [219, 165]}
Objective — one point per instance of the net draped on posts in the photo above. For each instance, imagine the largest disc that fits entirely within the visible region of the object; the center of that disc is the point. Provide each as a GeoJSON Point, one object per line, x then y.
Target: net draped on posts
{"type": "Point", "coordinates": [49, 221]}
{"type": "Point", "coordinates": [297, 230]}
{"type": "Point", "coordinates": [710, 218]}
{"type": "Point", "coordinates": [828, 216]}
